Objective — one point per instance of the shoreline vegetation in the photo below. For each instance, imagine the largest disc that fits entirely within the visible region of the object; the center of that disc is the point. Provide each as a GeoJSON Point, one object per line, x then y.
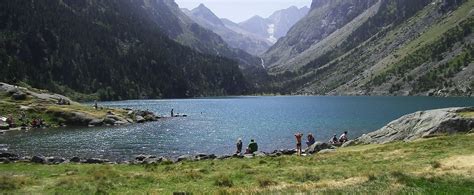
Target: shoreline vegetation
{"type": "Point", "coordinates": [409, 155]}
{"type": "Point", "coordinates": [21, 108]}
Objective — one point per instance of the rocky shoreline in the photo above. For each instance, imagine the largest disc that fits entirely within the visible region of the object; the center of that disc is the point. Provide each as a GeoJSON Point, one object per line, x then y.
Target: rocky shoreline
{"type": "Point", "coordinates": [407, 128]}
{"type": "Point", "coordinates": [26, 104]}
{"type": "Point", "coordinates": [318, 147]}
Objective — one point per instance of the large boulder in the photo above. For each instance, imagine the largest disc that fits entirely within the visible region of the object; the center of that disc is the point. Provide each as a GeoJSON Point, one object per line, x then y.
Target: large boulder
{"type": "Point", "coordinates": [205, 156]}
{"type": "Point", "coordinates": [421, 125]}
{"type": "Point", "coordinates": [38, 159]}
{"type": "Point", "coordinates": [75, 159]}
{"type": "Point", "coordinates": [140, 119]}
{"type": "Point", "coordinates": [7, 155]}
{"type": "Point", "coordinates": [19, 95]}
{"type": "Point", "coordinates": [96, 122]}
{"type": "Point", "coordinates": [316, 147]}
{"type": "Point", "coordinates": [185, 158]}
{"type": "Point", "coordinates": [55, 160]}
{"type": "Point", "coordinates": [96, 161]}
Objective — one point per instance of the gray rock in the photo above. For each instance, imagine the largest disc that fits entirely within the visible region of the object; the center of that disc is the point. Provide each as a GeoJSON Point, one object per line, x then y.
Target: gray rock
{"type": "Point", "coordinates": [248, 156]}
{"type": "Point", "coordinates": [96, 161]}
{"type": "Point", "coordinates": [118, 123]}
{"type": "Point", "coordinates": [205, 156]}
{"type": "Point", "coordinates": [96, 122]}
{"type": "Point", "coordinates": [349, 143]}
{"type": "Point", "coordinates": [143, 157]}
{"type": "Point", "coordinates": [19, 95]}
{"type": "Point", "coordinates": [4, 160]}
{"type": "Point", "coordinates": [288, 152]}
{"type": "Point", "coordinates": [7, 155]}
{"type": "Point", "coordinates": [38, 159]}
{"type": "Point", "coordinates": [75, 159]}
{"type": "Point", "coordinates": [223, 157]}
{"type": "Point", "coordinates": [185, 158]}
{"type": "Point", "coordinates": [55, 160]}
{"type": "Point", "coordinates": [259, 154]}
{"type": "Point", "coordinates": [109, 120]}
{"type": "Point", "coordinates": [420, 125]}
{"type": "Point", "coordinates": [316, 147]}
{"type": "Point", "coordinates": [326, 151]}
{"type": "Point", "coordinates": [140, 119]}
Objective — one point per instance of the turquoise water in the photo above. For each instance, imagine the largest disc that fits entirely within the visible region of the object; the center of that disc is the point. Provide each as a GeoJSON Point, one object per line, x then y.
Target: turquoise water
{"type": "Point", "coordinates": [213, 125]}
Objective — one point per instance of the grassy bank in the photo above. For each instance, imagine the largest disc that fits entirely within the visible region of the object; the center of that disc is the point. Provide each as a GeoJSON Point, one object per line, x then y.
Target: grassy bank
{"type": "Point", "coordinates": [436, 165]}
{"type": "Point", "coordinates": [48, 109]}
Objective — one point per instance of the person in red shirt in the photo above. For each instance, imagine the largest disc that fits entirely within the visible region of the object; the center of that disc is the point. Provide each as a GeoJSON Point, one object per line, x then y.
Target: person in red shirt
{"type": "Point", "coordinates": [298, 143]}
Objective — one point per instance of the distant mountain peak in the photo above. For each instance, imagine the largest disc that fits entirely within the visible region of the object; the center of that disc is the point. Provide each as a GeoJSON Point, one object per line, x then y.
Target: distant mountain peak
{"type": "Point", "coordinates": [207, 14]}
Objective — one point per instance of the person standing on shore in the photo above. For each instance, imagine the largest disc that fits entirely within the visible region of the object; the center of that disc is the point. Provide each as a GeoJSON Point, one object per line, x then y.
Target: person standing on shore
{"type": "Point", "coordinates": [298, 143]}
{"type": "Point", "coordinates": [95, 105]}
{"type": "Point", "coordinates": [172, 112]}
{"type": "Point", "coordinates": [239, 146]}
{"type": "Point", "coordinates": [311, 140]}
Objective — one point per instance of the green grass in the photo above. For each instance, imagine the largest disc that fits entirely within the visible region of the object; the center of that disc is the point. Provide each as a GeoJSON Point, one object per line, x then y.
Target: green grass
{"type": "Point", "coordinates": [467, 114]}
{"type": "Point", "coordinates": [48, 110]}
{"type": "Point", "coordinates": [436, 165]}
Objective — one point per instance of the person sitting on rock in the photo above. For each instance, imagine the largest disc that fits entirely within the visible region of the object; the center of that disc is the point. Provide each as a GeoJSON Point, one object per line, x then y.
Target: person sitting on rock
{"type": "Point", "coordinates": [253, 147]}
{"type": "Point", "coordinates": [239, 146]}
{"type": "Point", "coordinates": [298, 143]}
{"type": "Point", "coordinates": [10, 121]}
{"type": "Point", "coordinates": [311, 140]}
{"type": "Point", "coordinates": [34, 123]}
{"type": "Point", "coordinates": [334, 140]}
{"type": "Point", "coordinates": [343, 138]}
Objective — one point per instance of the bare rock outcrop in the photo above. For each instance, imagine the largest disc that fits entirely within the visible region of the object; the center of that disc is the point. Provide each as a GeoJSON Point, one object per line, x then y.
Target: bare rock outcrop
{"type": "Point", "coordinates": [421, 125]}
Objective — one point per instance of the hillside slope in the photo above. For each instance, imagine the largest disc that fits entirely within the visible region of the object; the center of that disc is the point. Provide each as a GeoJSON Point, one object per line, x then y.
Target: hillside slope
{"type": "Point", "coordinates": [108, 48]}
{"type": "Point", "coordinates": [179, 27]}
{"type": "Point", "coordinates": [276, 25]}
{"type": "Point", "coordinates": [391, 48]}
{"type": "Point", "coordinates": [233, 36]}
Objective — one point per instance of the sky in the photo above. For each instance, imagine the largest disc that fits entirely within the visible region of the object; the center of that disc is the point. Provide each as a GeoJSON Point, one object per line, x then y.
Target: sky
{"type": "Point", "coordinates": [241, 10]}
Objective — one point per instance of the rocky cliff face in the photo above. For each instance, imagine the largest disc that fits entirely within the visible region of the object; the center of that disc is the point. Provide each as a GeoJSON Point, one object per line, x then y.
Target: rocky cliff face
{"type": "Point", "coordinates": [421, 125]}
{"type": "Point", "coordinates": [233, 35]}
{"type": "Point", "coordinates": [275, 26]}
{"type": "Point", "coordinates": [379, 47]}
{"type": "Point", "coordinates": [196, 34]}
{"type": "Point", "coordinates": [306, 40]}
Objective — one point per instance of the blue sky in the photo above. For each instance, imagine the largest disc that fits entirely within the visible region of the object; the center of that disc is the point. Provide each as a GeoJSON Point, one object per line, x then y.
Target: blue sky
{"type": "Point", "coordinates": [240, 10]}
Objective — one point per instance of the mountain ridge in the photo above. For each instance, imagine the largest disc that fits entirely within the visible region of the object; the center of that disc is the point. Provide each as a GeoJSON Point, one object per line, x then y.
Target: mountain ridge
{"type": "Point", "coordinates": [401, 48]}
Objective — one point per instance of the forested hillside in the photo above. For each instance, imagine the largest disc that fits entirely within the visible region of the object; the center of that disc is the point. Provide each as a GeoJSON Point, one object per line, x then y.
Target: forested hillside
{"type": "Point", "coordinates": [111, 49]}
{"type": "Point", "coordinates": [390, 47]}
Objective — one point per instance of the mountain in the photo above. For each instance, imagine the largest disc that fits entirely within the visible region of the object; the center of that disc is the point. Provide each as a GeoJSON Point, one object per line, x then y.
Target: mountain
{"type": "Point", "coordinates": [377, 47]}
{"type": "Point", "coordinates": [230, 33]}
{"type": "Point", "coordinates": [111, 49]}
{"type": "Point", "coordinates": [276, 25]}
{"type": "Point", "coordinates": [181, 28]}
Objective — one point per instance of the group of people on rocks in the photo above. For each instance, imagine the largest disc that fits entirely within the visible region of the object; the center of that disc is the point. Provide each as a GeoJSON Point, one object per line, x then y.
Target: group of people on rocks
{"type": "Point", "coordinates": [253, 146]}
{"type": "Point", "coordinates": [24, 122]}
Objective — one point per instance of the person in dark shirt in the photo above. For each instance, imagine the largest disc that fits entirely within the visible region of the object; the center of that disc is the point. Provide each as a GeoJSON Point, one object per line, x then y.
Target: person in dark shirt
{"type": "Point", "coordinates": [239, 146]}
{"type": "Point", "coordinates": [311, 140]}
{"type": "Point", "coordinates": [253, 147]}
